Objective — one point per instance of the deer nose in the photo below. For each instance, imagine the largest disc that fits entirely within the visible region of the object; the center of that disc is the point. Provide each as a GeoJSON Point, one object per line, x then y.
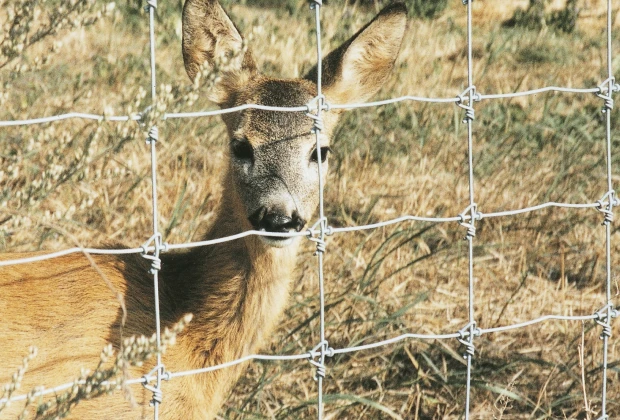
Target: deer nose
{"type": "Point", "coordinates": [275, 221]}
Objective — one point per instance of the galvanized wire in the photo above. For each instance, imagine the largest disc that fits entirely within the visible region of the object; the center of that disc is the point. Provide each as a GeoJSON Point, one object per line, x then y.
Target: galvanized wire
{"type": "Point", "coordinates": [608, 213]}
{"type": "Point", "coordinates": [320, 230]}
{"type": "Point", "coordinates": [322, 222]}
{"type": "Point", "coordinates": [472, 208]}
{"type": "Point", "coordinates": [332, 106]}
{"type": "Point", "coordinates": [156, 238]}
{"type": "Point", "coordinates": [312, 232]}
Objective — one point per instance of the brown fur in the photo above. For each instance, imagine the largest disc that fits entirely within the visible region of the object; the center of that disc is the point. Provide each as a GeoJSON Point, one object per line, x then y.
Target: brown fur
{"type": "Point", "coordinates": [236, 291]}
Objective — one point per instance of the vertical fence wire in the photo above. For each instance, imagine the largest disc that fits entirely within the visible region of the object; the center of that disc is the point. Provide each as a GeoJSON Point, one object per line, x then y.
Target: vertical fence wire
{"type": "Point", "coordinates": [469, 119]}
{"type": "Point", "coordinates": [320, 250]}
{"type": "Point", "coordinates": [156, 263]}
{"type": "Point", "coordinates": [607, 223]}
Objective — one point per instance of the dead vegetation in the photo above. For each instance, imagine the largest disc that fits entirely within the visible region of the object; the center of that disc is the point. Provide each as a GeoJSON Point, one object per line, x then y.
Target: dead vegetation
{"type": "Point", "coordinates": [92, 179]}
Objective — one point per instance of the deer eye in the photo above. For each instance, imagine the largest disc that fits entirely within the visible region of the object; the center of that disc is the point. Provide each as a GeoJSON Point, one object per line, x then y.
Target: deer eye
{"type": "Point", "coordinates": [314, 157]}
{"type": "Point", "coordinates": [242, 149]}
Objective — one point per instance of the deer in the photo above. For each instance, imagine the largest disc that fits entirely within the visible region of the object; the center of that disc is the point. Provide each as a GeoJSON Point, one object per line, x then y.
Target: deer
{"type": "Point", "coordinates": [236, 291]}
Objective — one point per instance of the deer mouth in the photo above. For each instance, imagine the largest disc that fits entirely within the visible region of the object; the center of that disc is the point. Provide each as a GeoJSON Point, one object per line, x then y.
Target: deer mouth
{"type": "Point", "coordinates": [277, 241]}
{"type": "Point", "coordinates": [272, 224]}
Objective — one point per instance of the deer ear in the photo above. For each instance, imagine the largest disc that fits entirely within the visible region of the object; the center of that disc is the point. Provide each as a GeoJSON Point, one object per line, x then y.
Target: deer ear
{"type": "Point", "coordinates": [357, 69]}
{"type": "Point", "coordinates": [210, 38]}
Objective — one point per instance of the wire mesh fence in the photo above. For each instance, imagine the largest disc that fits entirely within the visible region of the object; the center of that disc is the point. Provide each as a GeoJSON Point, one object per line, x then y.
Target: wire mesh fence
{"type": "Point", "coordinates": [321, 230]}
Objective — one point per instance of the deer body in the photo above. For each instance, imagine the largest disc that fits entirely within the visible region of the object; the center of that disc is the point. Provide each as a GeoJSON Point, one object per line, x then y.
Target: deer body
{"type": "Point", "coordinates": [236, 291]}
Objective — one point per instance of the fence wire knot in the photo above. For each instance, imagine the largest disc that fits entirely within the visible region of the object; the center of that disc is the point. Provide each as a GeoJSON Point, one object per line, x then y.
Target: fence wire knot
{"type": "Point", "coordinates": [153, 135]}
{"type": "Point", "coordinates": [466, 337]}
{"type": "Point", "coordinates": [603, 318]}
{"type": "Point", "coordinates": [324, 230]}
{"type": "Point", "coordinates": [473, 215]}
{"type": "Point", "coordinates": [317, 104]}
{"type": "Point", "coordinates": [325, 350]}
{"type": "Point", "coordinates": [158, 247]}
{"type": "Point", "coordinates": [318, 123]}
{"type": "Point", "coordinates": [468, 95]}
{"type": "Point", "coordinates": [605, 91]}
{"type": "Point", "coordinates": [606, 206]}
{"type": "Point", "coordinates": [157, 392]}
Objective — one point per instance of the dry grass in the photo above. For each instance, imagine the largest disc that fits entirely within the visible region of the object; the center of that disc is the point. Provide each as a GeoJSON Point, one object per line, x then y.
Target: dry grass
{"type": "Point", "coordinates": [92, 180]}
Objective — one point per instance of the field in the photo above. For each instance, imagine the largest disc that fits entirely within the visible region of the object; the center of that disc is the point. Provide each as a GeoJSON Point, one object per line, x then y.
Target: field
{"type": "Point", "coordinates": [88, 183]}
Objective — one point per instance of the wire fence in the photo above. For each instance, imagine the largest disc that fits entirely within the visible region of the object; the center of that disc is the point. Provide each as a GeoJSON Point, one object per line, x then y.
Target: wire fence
{"type": "Point", "coordinates": [318, 233]}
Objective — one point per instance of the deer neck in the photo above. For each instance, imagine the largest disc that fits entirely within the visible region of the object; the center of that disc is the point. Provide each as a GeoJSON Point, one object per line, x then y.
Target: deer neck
{"type": "Point", "coordinates": [236, 291]}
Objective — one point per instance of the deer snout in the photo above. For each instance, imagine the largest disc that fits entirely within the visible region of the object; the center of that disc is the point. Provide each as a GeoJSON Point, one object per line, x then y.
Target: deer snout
{"type": "Point", "coordinates": [276, 221]}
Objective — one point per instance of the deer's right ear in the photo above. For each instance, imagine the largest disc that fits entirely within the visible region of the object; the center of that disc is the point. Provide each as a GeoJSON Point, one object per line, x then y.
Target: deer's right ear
{"type": "Point", "coordinates": [358, 68]}
{"type": "Point", "coordinates": [210, 37]}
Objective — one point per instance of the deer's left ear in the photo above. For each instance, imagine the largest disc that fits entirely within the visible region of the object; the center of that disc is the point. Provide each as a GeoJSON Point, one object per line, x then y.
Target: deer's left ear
{"type": "Point", "coordinates": [209, 35]}
{"type": "Point", "coordinates": [357, 69]}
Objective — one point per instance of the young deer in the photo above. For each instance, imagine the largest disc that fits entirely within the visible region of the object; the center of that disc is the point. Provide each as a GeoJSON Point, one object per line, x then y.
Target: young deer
{"type": "Point", "coordinates": [236, 291]}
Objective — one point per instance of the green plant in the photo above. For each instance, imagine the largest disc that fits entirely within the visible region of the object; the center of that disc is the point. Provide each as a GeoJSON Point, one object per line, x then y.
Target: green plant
{"type": "Point", "coordinates": [535, 17]}
{"type": "Point", "coordinates": [426, 9]}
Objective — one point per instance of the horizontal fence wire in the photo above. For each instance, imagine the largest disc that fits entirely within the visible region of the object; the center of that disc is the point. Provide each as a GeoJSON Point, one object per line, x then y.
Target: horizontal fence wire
{"type": "Point", "coordinates": [306, 108]}
{"type": "Point", "coordinates": [309, 233]}
{"type": "Point", "coordinates": [318, 233]}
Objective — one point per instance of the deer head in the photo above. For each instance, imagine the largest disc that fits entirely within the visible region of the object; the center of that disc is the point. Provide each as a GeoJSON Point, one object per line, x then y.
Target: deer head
{"type": "Point", "coordinates": [273, 174]}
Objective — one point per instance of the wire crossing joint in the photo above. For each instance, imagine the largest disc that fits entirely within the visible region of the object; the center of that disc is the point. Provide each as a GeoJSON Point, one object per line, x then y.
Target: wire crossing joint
{"type": "Point", "coordinates": [323, 230]}
{"type": "Point", "coordinates": [314, 108]}
{"type": "Point", "coordinates": [603, 319]}
{"type": "Point", "coordinates": [465, 101]}
{"type": "Point", "coordinates": [158, 395]}
{"type": "Point", "coordinates": [473, 215]}
{"type": "Point", "coordinates": [322, 350]}
{"type": "Point", "coordinates": [605, 92]}
{"type": "Point", "coordinates": [606, 206]}
{"type": "Point", "coordinates": [466, 338]}
{"type": "Point", "coordinates": [158, 247]}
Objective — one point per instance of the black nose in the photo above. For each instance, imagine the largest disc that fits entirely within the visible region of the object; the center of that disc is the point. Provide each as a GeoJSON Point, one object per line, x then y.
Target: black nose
{"type": "Point", "coordinates": [274, 221]}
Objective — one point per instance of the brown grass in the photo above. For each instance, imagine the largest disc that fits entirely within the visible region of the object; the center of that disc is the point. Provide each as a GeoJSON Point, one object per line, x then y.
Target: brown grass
{"type": "Point", "coordinates": [92, 180]}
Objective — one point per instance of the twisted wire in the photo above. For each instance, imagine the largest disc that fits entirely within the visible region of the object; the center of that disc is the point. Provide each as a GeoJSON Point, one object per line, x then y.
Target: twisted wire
{"type": "Point", "coordinates": [605, 91]}
{"type": "Point", "coordinates": [153, 135]}
{"type": "Point", "coordinates": [603, 319]}
{"type": "Point", "coordinates": [323, 230]}
{"type": "Point", "coordinates": [145, 380]}
{"type": "Point", "coordinates": [317, 104]}
{"type": "Point", "coordinates": [468, 95]}
{"type": "Point", "coordinates": [602, 322]}
{"type": "Point", "coordinates": [156, 239]}
{"type": "Point", "coordinates": [469, 225]}
{"type": "Point", "coordinates": [325, 351]}
{"type": "Point", "coordinates": [606, 207]}
{"type": "Point", "coordinates": [466, 335]}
